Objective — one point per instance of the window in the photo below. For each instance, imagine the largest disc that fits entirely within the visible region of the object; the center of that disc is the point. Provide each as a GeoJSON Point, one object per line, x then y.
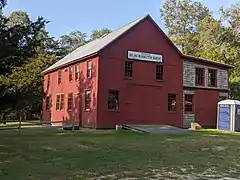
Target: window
{"type": "Point", "coordinates": [70, 101]}
{"type": "Point", "coordinates": [77, 73]}
{"type": "Point", "coordinates": [199, 76]}
{"type": "Point", "coordinates": [172, 102]}
{"type": "Point", "coordinates": [60, 102]}
{"type": "Point", "coordinates": [113, 100]}
{"type": "Point", "coordinates": [128, 69]}
{"type": "Point", "coordinates": [47, 103]}
{"type": "Point", "coordinates": [212, 77]}
{"type": "Point", "coordinates": [59, 77]}
{"type": "Point", "coordinates": [87, 99]}
{"type": "Point", "coordinates": [48, 80]}
{"type": "Point", "coordinates": [159, 72]}
{"type": "Point", "coordinates": [188, 103]}
{"type": "Point", "coordinates": [89, 69]}
{"type": "Point", "coordinates": [70, 74]}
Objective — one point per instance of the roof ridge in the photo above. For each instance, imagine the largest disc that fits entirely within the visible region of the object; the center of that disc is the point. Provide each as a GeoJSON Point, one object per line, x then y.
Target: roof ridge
{"type": "Point", "coordinates": [96, 45]}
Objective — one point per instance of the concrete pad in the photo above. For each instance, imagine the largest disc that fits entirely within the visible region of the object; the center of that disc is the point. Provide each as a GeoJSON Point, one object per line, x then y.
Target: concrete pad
{"type": "Point", "coordinates": [156, 129]}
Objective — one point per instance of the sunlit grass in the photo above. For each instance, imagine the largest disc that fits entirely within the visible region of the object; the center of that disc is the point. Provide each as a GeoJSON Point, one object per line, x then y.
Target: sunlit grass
{"type": "Point", "coordinates": [55, 154]}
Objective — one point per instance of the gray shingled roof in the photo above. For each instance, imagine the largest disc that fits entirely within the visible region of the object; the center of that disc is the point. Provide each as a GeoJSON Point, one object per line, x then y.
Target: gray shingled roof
{"type": "Point", "coordinates": [94, 46]}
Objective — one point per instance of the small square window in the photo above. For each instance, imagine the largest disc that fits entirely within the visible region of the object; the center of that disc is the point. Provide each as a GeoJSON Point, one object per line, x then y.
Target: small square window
{"type": "Point", "coordinates": [87, 100]}
{"type": "Point", "coordinates": [70, 101]}
{"type": "Point", "coordinates": [212, 77]}
{"type": "Point", "coordinates": [199, 76]}
{"type": "Point", "coordinates": [113, 100]}
{"type": "Point", "coordinates": [172, 102]}
{"type": "Point", "coordinates": [189, 105]}
{"type": "Point", "coordinates": [159, 72]}
{"type": "Point", "coordinates": [128, 69]}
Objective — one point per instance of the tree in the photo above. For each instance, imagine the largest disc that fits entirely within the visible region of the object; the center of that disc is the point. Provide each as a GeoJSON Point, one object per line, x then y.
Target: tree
{"type": "Point", "coordinates": [71, 41]}
{"type": "Point", "coordinates": [181, 18]}
{"type": "Point", "coordinates": [25, 85]}
{"type": "Point", "coordinates": [97, 33]}
{"type": "Point", "coordinates": [192, 27]}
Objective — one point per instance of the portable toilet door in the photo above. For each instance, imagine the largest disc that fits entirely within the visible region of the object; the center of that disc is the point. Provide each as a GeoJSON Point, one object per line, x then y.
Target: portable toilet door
{"type": "Point", "coordinates": [224, 116]}
{"type": "Point", "coordinates": [237, 116]}
{"type": "Point", "coordinates": [228, 115]}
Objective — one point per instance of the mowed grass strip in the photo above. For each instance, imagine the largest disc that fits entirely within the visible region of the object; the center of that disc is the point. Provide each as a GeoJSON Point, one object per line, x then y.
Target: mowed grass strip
{"type": "Point", "coordinates": [40, 153]}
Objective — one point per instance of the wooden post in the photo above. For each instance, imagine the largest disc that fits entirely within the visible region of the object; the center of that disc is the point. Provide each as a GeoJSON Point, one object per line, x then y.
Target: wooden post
{"type": "Point", "coordinates": [73, 124]}
{"type": "Point", "coordinates": [20, 122]}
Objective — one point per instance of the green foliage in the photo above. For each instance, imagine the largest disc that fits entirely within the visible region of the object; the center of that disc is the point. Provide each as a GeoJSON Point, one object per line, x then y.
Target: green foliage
{"type": "Point", "coordinates": [73, 40]}
{"type": "Point", "coordinates": [181, 18]}
{"type": "Point", "coordinates": [26, 49]}
{"type": "Point", "coordinates": [97, 33]}
{"type": "Point", "coordinates": [196, 32]}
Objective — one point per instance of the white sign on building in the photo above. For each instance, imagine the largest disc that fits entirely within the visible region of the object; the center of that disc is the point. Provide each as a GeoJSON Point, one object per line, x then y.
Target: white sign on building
{"type": "Point", "coordinates": [145, 56]}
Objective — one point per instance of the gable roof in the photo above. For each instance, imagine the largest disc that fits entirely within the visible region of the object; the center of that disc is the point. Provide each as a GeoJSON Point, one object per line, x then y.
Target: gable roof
{"type": "Point", "coordinates": [94, 46]}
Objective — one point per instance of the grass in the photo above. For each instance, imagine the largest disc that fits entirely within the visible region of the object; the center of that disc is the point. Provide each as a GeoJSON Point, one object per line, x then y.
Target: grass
{"type": "Point", "coordinates": [39, 153]}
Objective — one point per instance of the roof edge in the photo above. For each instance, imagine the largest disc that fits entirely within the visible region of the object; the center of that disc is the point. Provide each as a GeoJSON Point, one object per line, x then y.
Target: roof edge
{"type": "Point", "coordinates": [67, 64]}
{"type": "Point", "coordinates": [207, 61]}
{"type": "Point", "coordinates": [140, 20]}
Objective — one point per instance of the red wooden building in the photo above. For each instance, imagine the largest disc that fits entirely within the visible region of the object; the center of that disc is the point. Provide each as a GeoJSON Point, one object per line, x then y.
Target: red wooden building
{"type": "Point", "coordinates": [134, 75]}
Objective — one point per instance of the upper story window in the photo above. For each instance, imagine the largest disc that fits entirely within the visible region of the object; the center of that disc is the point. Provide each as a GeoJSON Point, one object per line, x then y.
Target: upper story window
{"type": "Point", "coordinates": [128, 69]}
{"type": "Point", "coordinates": [77, 72]}
{"type": "Point", "coordinates": [159, 72]}
{"type": "Point", "coordinates": [89, 69]}
{"type": "Point", "coordinates": [212, 77]}
{"type": "Point", "coordinates": [48, 80]}
{"type": "Point", "coordinates": [71, 73]}
{"type": "Point", "coordinates": [199, 76]}
{"type": "Point", "coordinates": [189, 105]}
{"type": "Point", "coordinates": [172, 102]}
{"type": "Point", "coordinates": [113, 100]}
{"type": "Point", "coordinates": [70, 101]}
{"type": "Point", "coordinates": [59, 77]}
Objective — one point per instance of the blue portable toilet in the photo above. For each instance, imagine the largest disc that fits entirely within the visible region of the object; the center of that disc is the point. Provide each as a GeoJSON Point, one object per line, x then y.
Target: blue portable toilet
{"type": "Point", "coordinates": [228, 118]}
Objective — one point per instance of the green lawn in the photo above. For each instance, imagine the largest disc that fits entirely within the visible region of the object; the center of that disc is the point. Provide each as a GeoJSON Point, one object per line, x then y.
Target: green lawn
{"type": "Point", "coordinates": [53, 154]}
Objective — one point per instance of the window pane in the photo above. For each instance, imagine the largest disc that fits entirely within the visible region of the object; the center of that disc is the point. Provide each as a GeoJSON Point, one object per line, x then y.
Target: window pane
{"type": "Point", "coordinates": [128, 69]}
{"type": "Point", "coordinates": [70, 101]}
{"type": "Point", "coordinates": [199, 76]}
{"type": "Point", "coordinates": [58, 102]}
{"type": "Point", "coordinates": [62, 102]}
{"type": "Point", "coordinates": [159, 72]}
{"type": "Point", "coordinates": [59, 77]}
{"type": "Point", "coordinates": [172, 102]}
{"type": "Point", "coordinates": [87, 99]}
{"type": "Point", "coordinates": [212, 77]}
{"type": "Point", "coordinates": [113, 100]}
{"type": "Point", "coordinates": [89, 69]}
{"type": "Point", "coordinates": [189, 106]}
{"type": "Point", "coordinates": [47, 103]}
{"type": "Point", "coordinates": [77, 72]}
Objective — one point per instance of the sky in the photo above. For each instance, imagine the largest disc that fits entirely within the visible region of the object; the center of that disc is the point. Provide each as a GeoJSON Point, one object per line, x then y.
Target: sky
{"type": "Point", "coordinates": [86, 15]}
